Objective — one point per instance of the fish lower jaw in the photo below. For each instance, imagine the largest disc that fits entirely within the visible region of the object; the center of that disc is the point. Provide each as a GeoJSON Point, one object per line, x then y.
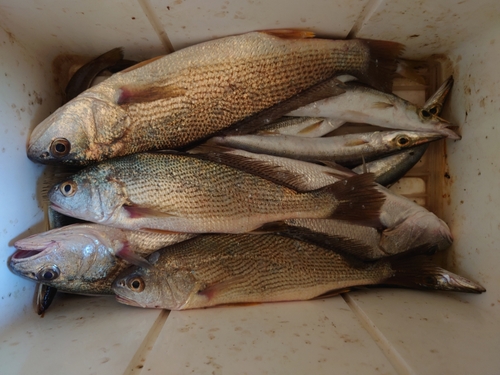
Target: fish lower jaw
{"type": "Point", "coordinates": [127, 301]}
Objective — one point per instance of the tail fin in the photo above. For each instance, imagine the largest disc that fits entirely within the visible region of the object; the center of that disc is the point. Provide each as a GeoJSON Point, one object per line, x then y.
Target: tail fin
{"type": "Point", "coordinates": [420, 273]}
{"type": "Point", "coordinates": [383, 63]}
{"type": "Point", "coordinates": [359, 200]}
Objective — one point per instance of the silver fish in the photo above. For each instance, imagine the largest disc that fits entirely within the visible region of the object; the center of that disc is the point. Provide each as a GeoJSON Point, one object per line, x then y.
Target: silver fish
{"type": "Point", "coordinates": [360, 104]}
{"type": "Point", "coordinates": [348, 150]}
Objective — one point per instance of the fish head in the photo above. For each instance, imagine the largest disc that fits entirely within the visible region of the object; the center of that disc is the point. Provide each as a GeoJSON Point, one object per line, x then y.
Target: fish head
{"type": "Point", "coordinates": [71, 261]}
{"type": "Point", "coordinates": [84, 130]}
{"type": "Point", "coordinates": [401, 139]}
{"type": "Point", "coordinates": [421, 232]}
{"type": "Point", "coordinates": [91, 195]}
{"type": "Point", "coordinates": [159, 286]}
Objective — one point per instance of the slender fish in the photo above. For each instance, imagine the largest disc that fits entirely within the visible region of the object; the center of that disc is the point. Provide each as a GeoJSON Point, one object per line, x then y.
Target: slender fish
{"type": "Point", "coordinates": [348, 150]}
{"type": "Point", "coordinates": [360, 104]}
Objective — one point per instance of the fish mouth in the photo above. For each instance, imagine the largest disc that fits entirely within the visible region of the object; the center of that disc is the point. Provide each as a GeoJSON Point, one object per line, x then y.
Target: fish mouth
{"type": "Point", "coordinates": [22, 255]}
{"type": "Point", "coordinates": [60, 209]}
{"type": "Point", "coordinates": [126, 301]}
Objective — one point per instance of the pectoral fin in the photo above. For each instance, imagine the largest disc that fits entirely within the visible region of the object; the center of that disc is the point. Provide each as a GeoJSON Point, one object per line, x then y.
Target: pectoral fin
{"type": "Point", "coordinates": [134, 94]}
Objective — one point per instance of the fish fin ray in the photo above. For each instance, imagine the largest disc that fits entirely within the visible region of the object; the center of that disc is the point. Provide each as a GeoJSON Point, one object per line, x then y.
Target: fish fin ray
{"type": "Point", "coordinates": [419, 272]}
{"type": "Point", "coordinates": [130, 256]}
{"type": "Point", "coordinates": [274, 173]}
{"type": "Point", "coordinates": [359, 200]}
{"type": "Point", "coordinates": [211, 291]}
{"type": "Point", "coordinates": [311, 128]}
{"type": "Point", "coordinates": [136, 212]}
{"type": "Point", "coordinates": [382, 65]}
{"type": "Point", "coordinates": [143, 94]}
{"type": "Point", "coordinates": [347, 247]}
{"type": "Point", "coordinates": [355, 142]}
{"type": "Point", "coordinates": [382, 105]}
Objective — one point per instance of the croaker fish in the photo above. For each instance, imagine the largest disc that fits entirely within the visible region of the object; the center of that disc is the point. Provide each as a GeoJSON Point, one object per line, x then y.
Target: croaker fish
{"type": "Point", "coordinates": [348, 150]}
{"type": "Point", "coordinates": [82, 258]}
{"type": "Point", "coordinates": [177, 192]}
{"type": "Point", "coordinates": [404, 225]}
{"type": "Point", "coordinates": [169, 102]}
{"type": "Point", "coordinates": [360, 104]}
{"type": "Point", "coordinates": [212, 270]}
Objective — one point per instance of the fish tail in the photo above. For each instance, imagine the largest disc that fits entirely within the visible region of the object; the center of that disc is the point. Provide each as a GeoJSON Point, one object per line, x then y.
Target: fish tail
{"type": "Point", "coordinates": [382, 64]}
{"type": "Point", "coordinates": [357, 200]}
{"type": "Point", "coordinates": [419, 272]}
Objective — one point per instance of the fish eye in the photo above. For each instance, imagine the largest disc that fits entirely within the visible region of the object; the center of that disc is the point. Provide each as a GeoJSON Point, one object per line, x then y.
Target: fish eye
{"type": "Point", "coordinates": [68, 188]}
{"type": "Point", "coordinates": [433, 110]}
{"type": "Point", "coordinates": [60, 147]}
{"type": "Point", "coordinates": [136, 284]}
{"type": "Point", "coordinates": [48, 273]}
{"type": "Point", "coordinates": [402, 141]}
{"type": "Point", "coordinates": [425, 114]}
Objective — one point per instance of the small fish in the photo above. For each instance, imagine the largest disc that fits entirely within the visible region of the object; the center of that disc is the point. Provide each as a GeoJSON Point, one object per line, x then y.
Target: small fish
{"type": "Point", "coordinates": [83, 77]}
{"type": "Point", "coordinates": [360, 104]}
{"type": "Point", "coordinates": [211, 270]}
{"type": "Point", "coordinates": [177, 192]}
{"type": "Point", "coordinates": [434, 105]}
{"type": "Point", "coordinates": [404, 225]}
{"type": "Point", "coordinates": [347, 150]}
{"type": "Point", "coordinates": [390, 169]}
{"type": "Point", "coordinates": [172, 101]}
{"type": "Point", "coordinates": [82, 258]}
{"type": "Point", "coordinates": [44, 296]}
{"type": "Point", "coordinates": [300, 126]}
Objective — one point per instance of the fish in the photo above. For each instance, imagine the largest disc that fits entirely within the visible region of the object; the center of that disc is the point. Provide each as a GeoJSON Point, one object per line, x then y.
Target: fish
{"type": "Point", "coordinates": [361, 104]}
{"type": "Point", "coordinates": [300, 126]}
{"type": "Point", "coordinates": [177, 192]}
{"type": "Point", "coordinates": [44, 296]}
{"type": "Point", "coordinates": [83, 77]}
{"type": "Point", "coordinates": [171, 101]}
{"type": "Point", "coordinates": [347, 150]}
{"type": "Point", "coordinates": [404, 225]}
{"type": "Point", "coordinates": [434, 105]}
{"type": "Point", "coordinates": [85, 258]}
{"type": "Point", "coordinates": [212, 270]}
{"type": "Point", "coordinates": [390, 169]}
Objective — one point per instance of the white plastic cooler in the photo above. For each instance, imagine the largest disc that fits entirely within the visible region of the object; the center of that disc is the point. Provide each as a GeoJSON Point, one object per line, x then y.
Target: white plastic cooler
{"type": "Point", "coordinates": [377, 331]}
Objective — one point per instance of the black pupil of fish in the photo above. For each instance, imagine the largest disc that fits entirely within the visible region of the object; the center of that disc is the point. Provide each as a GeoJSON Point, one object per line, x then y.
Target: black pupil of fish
{"type": "Point", "coordinates": [403, 141]}
{"type": "Point", "coordinates": [67, 188]}
{"type": "Point", "coordinates": [60, 148]}
{"type": "Point", "coordinates": [136, 284]}
{"type": "Point", "coordinates": [48, 275]}
{"type": "Point", "coordinates": [433, 110]}
{"type": "Point", "coordinates": [426, 114]}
